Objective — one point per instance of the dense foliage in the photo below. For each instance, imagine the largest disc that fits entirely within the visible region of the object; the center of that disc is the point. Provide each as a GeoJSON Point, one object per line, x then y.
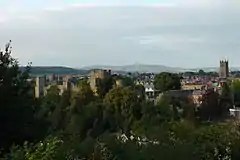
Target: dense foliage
{"type": "Point", "coordinates": [167, 81]}
{"type": "Point", "coordinates": [118, 124]}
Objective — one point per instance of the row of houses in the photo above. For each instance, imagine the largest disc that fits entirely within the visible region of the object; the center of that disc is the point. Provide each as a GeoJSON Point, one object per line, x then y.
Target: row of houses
{"type": "Point", "coordinates": [194, 92]}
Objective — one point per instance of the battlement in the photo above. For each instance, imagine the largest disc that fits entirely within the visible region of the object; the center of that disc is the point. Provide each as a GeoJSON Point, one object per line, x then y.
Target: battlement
{"type": "Point", "coordinates": [223, 61]}
{"type": "Point", "coordinates": [100, 73]}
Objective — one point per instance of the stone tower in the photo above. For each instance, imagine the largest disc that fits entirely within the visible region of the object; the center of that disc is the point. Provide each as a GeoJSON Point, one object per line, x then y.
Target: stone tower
{"type": "Point", "coordinates": [224, 69]}
{"type": "Point", "coordinates": [40, 86]}
{"type": "Point", "coordinates": [96, 76]}
{"type": "Point", "coordinates": [67, 84]}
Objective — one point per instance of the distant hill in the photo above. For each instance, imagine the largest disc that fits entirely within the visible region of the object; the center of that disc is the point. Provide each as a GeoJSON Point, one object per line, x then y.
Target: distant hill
{"type": "Point", "coordinates": [138, 68]}
{"type": "Point", "coordinates": [157, 68]}
{"type": "Point", "coordinates": [42, 70]}
{"type": "Point", "coordinates": [46, 70]}
{"type": "Point", "coordinates": [213, 69]}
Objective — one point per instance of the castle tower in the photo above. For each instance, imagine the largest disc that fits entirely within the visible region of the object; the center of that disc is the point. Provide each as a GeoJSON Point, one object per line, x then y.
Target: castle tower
{"type": "Point", "coordinates": [67, 85]}
{"type": "Point", "coordinates": [224, 69]}
{"type": "Point", "coordinates": [40, 86]}
{"type": "Point", "coordinates": [96, 76]}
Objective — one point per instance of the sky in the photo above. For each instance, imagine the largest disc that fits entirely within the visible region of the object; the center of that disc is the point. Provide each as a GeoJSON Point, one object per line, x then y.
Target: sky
{"type": "Point", "coordinates": [77, 33]}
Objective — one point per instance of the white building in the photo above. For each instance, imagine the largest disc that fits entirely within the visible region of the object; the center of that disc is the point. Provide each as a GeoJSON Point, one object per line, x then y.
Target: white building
{"type": "Point", "coordinates": [235, 112]}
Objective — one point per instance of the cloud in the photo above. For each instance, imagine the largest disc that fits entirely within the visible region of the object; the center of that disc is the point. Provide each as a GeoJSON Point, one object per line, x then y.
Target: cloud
{"type": "Point", "coordinates": [87, 5]}
{"type": "Point", "coordinates": [86, 35]}
{"type": "Point", "coordinates": [3, 19]}
{"type": "Point", "coordinates": [56, 8]}
{"type": "Point", "coordinates": [170, 42]}
{"type": "Point", "coordinates": [29, 18]}
{"type": "Point", "coordinates": [158, 5]}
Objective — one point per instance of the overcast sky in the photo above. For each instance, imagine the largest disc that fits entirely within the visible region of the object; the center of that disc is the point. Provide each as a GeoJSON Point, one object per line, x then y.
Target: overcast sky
{"type": "Point", "coordinates": [76, 33]}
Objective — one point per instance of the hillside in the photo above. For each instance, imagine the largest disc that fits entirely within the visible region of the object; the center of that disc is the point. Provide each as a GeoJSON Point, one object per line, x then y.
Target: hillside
{"type": "Point", "coordinates": [138, 68]}
{"type": "Point", "coordinates": [42, 70]}
{"type": "Point", "coordinates": [156, 68]}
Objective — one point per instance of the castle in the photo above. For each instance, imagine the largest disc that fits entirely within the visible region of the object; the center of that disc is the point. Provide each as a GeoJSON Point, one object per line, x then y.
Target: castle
{"type": "Point", "coordinates": [41, 85]}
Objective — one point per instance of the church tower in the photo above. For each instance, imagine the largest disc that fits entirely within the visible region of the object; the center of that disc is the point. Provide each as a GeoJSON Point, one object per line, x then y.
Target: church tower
{"type": "Point", "coordinates": [224, 69]}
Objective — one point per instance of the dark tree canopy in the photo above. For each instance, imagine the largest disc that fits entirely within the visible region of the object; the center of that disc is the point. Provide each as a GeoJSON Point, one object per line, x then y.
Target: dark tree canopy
{"type": "Point", "coordinates": [201, 72]}
{"type": "Point", "coordinates": [210, 107]}
{"type": "Point", "coordinates": [127, 81]}
{"type": "Point", "coordinates": [167, 81]}
{"type": "Point", "coordinates": [235, 86]}
{"type": "Point", "coordinates": [104, 86]}
{"type": "Point", "coordinates": [17, 101]}
{"type": "Point", "coordinates": [82, 97]}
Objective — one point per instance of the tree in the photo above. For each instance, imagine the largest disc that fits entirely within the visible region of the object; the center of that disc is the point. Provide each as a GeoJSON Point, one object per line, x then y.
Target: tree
{"type": "Point", "coordinates": [50, 101]}
{"type": "Point", "coordinates": [201, 72]}
{"type": "Point", "coordinates": [189, 112]}
{"type": "Point", "coordinates": [53, 95]}
{"type": "Point", "coordinates": [167, 81]}
{"type": "Point", "coordinates": [225, 99]}
{"type": "Point", "coordinates": [86, 122]}
{"type": "Point", "coordinates": [51, 148]}
{"type": "Point", "coordinates": [82, 97]}
{"type": "Point", "coordinates": [83, 82]}
{"type": "Point", "coordinates": [189, 73]}
{"type": "Point", "coordinates": [140, 90]}
{"type": "Point", "coordinates": [105, 85]}
{"type": "Point", "coordinates": [235, 88]}
{"type": "Point", "coordinates": [17, 109]}
{"type": "Point", "coordinates": [210, 146]}
{"type": "Point", "coordinates": [59, 117]}
{"type": "Point", "coordinates": [127, 81]}
{"type": "Point", "coordinates": [235, 85]}
{"type": "Point", "coordinates": [210, 109]}
{"type": "Point", "coordinates": [124, 104]}
{"type": "Point", "coordinates": [169, 107]}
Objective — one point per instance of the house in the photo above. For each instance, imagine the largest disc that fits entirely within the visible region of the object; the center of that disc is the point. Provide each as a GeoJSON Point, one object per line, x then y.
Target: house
{"type": "Point", "coordinates": [197, 97]}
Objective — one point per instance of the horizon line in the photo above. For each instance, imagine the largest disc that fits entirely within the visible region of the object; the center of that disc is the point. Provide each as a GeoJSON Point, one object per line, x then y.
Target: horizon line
{"type": "Point", "coordinates": [104, 66]}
